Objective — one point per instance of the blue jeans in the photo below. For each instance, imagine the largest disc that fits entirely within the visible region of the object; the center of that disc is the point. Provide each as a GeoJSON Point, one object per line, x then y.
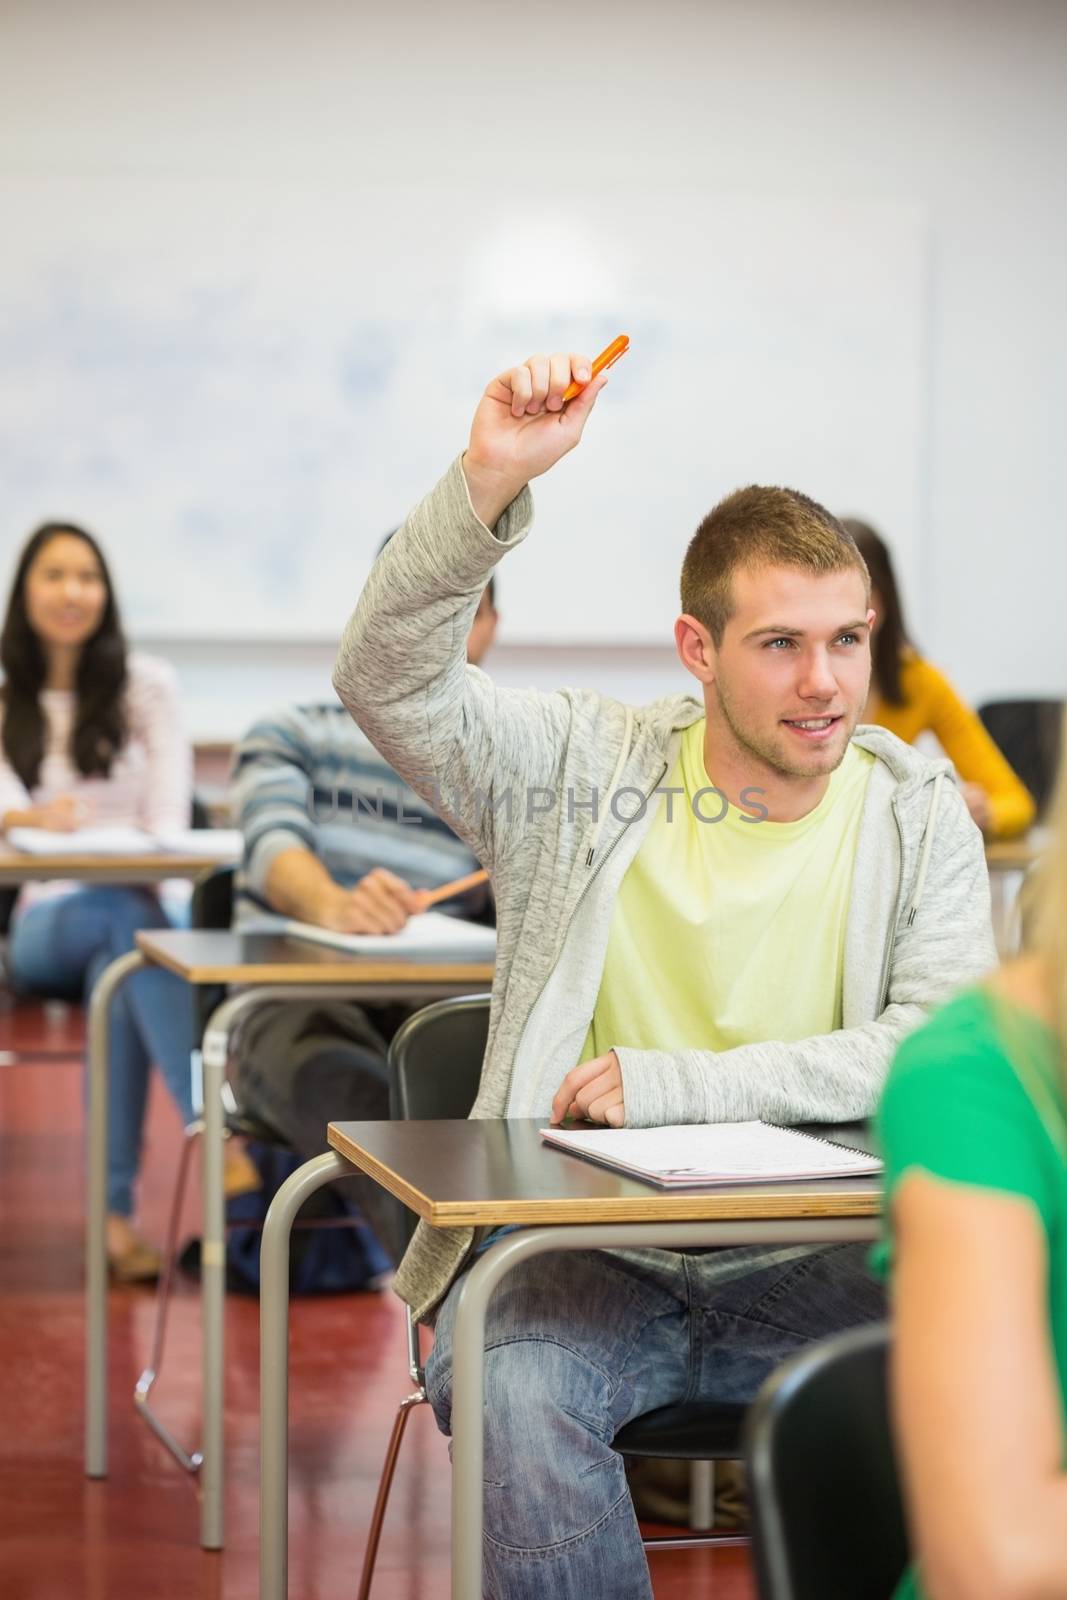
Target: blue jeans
{"type": "Point", "coordinates": [579, 1343]}
{"type": "Point", "coordinates": [60, 947]}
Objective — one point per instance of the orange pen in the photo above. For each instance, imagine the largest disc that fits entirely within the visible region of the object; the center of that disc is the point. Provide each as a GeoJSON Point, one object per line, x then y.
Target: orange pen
{"type": "Point", "coordinates": [607, 358]}
{"type": "Point", "coordinates": [433, 897]}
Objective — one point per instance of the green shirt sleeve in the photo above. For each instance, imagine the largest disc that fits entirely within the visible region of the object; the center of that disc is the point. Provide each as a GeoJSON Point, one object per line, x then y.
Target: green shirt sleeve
{"type": "Point", "coordinates": [955, 1106]}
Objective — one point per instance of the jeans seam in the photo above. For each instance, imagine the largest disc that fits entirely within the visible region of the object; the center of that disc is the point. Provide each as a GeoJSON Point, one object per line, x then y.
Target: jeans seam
{"type": "Point", "coordinates": [787, 1283]}
{"type": "Point", "coordinates": [539, 1552]}
{"type": "Point", "coordinates": [612, 1380]}
{"type": "Point", "coordinates": [696, 1325]}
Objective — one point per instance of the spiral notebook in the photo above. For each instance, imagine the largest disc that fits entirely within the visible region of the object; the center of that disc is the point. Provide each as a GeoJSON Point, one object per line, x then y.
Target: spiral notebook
{"type": "Point", "coordinates": [719, 1152]}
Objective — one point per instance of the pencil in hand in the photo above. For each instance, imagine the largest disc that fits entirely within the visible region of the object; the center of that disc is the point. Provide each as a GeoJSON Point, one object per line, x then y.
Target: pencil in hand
{"type": "Point", "coordinates": [446, 891]}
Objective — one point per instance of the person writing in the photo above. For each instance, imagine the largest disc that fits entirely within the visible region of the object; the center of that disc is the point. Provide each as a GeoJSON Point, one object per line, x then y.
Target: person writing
{"type": "Point", "coordinates": [91, 735]}
{"type": "Point", "coordinates": [974, 1128]}
{"type": "Point", "coordinates": [335, 838]}
{"type": "Point", "coordinates": [710, 908]}
{"type": "Point", "coordinates": [909, 696]}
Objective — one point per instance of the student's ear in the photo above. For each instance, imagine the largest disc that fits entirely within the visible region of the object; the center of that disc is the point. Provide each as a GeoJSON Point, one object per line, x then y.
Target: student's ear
{"type": "Point", "coordinates": [696, 649]}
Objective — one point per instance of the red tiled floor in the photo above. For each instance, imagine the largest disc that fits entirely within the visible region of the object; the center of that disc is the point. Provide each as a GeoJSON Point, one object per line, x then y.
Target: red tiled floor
{"type": "Point", "coordinates": [62, 1537]}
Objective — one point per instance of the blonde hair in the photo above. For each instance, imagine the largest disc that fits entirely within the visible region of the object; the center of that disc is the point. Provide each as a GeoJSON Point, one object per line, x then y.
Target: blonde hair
{"type": "Point", "coordinates": [1045, 936]}
{"type": "Point", "coordinates": [1049, 905]}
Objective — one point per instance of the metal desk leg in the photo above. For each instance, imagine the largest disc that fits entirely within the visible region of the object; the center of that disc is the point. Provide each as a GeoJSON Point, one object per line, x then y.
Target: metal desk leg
{"type": "Point", "coordinates": [213, 1295]}
{"type": "Point", "coordinates": [274, 1367]}
{"type": "Point", "coordinates": [468, 1340]}
{"type": "Point", "coordinates": [215, 1055]}
{"type": "Point", "coordinates": [96, 1213]}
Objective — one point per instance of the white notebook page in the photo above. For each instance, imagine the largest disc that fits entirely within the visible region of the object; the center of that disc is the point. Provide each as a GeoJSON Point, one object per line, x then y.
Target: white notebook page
{"type": "Point", "coordinates": [721, 1152]}
{"type": "Point", "coordinates": [430, 934]}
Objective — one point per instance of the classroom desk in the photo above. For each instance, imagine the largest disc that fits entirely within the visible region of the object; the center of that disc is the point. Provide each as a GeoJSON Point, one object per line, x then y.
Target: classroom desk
{"type": "Point", "coordinates": [266, 967]}
{"type": "Point", "coordinates": [475, 1173]}
{"type": "Point", "coordinates": [19, 866]}
{"type": "Point", "coordinates": [1008, 860]}
{"type": "Point", "coordinates": [1016, 855]}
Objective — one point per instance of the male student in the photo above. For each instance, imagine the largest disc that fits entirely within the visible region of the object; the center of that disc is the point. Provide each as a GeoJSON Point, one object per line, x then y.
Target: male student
{"type": "Point", "coordinates": [656, 965]}
{"type": "Point", "coordinates": [335, 838]}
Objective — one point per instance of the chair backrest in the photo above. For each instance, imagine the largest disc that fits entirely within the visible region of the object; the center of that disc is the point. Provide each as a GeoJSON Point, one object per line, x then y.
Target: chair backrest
{"type": "Point", "coordinates": [211, 907]}
{"type": "Point", "coordinates": [435, 1064]}
{"type": "Point", "coordinates": [1028, 733]}
{"type": "Point", "coordinates": [212, 904]}
{"type": "Point", "coordinates": [827, 1517]}
{"type": "Point", "coordinates": [435, 1059]}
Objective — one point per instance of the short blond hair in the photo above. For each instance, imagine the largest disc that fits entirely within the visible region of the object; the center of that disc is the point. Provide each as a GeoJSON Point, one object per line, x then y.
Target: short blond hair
{"type": "Point", "coordinates": [760, 527]}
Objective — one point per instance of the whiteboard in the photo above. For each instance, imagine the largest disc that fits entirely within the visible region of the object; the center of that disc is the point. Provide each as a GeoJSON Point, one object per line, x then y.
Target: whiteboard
{"type": "Point", "coordinates": [240, 389]}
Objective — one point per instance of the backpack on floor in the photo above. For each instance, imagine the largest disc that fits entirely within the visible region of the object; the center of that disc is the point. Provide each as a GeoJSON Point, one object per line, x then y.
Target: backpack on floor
{"type": "Point", "coordinates": [338, 1258]}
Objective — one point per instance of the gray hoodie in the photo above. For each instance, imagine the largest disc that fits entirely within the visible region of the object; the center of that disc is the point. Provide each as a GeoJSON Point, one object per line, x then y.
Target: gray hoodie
{"type": "Point", "coordinates": [543, 788]}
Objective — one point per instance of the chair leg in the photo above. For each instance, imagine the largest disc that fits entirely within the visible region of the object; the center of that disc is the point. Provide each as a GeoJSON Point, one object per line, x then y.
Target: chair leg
{"type": "Point", "coordinates": [701, 1495]}
{"type": "Point", "coordinates": [406, 1407]}
{"type": "Point", "coordinates": [191, 1462]}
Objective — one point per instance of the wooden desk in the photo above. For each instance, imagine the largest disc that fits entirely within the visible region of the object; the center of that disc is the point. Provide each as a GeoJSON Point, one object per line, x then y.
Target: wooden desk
{"type": "Point", "coordinates": [475, 1174]}
{"type": "Point", "coordinates": [229, 956]}
{"type": "Point", "coordinates": [268, 967]}
{"type": "Point", "coordinates": [1017, 855]}
{"type": "Point", "coordinates": [1008, 860]}
{"type": "Point", "coordinates": [496, 1172]}
{"type": "Point", "coordinates": [18, 867]}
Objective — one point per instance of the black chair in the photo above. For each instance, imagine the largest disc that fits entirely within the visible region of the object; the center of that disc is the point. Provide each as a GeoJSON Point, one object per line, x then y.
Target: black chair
{"type": "Point", "coordinates": [435, 1063]}
{"type": "Point", "coordinates": [1027, 732]}
{"type": "Point", "coordinates": [7, 906]}
{"type": "Point", "coordinates": [827, 1518]}
{"type": "Point", "coordinates": [211, 907]}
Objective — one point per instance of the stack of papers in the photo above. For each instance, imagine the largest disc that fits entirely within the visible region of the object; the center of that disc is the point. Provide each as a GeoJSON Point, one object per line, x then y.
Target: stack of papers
{"type": "Point", "coordinates": [718, 1152]}
{"type": "Point", "coordinates": [217, 844]}
{"type": "Point", "coordinates": [431, 935]}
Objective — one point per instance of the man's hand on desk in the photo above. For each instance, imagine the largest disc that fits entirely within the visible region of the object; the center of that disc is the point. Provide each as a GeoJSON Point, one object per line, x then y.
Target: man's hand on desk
{"type": "Point", "coordinates": [592, 1090]}
{"type": "Point", "coordinates": [379, 903]}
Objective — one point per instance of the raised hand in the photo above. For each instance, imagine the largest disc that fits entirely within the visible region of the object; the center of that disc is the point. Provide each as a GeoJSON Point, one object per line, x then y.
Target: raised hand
{"type": "Point", "coordinates": [522, 427]}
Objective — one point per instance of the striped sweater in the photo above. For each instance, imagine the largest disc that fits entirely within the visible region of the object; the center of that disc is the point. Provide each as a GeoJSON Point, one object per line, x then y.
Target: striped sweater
{"type": "Point", "coordinates": [306, 775]}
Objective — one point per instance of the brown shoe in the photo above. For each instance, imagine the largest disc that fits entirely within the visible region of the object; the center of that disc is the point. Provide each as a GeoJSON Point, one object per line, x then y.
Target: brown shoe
{"type": "Point", "coordinates": [130, 1259]}
{"type": "Point", "coordinates": [139, 1262]}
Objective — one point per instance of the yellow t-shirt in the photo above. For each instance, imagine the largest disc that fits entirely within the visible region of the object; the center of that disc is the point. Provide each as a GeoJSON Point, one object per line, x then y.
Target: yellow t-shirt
{"type": "Point", "coordinates": [732, 932]}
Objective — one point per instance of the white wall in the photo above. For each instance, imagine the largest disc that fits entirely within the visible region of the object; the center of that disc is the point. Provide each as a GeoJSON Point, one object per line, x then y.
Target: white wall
{"type": "Point", "coordinates": [958, 108]}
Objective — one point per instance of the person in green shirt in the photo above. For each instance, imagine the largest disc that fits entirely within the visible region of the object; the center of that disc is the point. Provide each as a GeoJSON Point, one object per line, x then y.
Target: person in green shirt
{"type": "Point", "coordinates": [974, 1128]}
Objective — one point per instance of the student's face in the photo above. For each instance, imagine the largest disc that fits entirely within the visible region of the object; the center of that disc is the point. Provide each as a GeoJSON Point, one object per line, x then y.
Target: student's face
{"type": "Point", "coordinates": [66, 592]}
{"type": "Point", "coordinates": [483, 630]}
{"type": "Point", "coordinates": [791, 675]}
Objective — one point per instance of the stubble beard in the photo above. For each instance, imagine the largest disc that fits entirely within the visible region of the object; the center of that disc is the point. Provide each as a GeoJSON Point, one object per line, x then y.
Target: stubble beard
{"type": "Point", "coordinates": [773, 756]}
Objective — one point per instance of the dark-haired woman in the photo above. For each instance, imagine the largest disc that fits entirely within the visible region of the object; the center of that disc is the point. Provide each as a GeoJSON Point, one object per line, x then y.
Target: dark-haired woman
{"type": "Point", "coordinates": [91, 735]}
{"type": "Point", "coordinates": [909, 696]}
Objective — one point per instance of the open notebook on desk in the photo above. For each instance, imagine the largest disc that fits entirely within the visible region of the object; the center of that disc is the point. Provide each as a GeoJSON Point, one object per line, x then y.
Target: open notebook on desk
{"type": "Point", "coordinates": [702, 1154]}
{"type": "Point", "coordinates": [215, 844]}
{"type": "Point", "coordinates": [430, 934]}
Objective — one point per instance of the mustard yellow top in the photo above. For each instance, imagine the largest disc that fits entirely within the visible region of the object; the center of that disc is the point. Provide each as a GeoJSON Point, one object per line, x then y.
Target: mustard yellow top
{"type": "Point", "coordinates": [932, 705]}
